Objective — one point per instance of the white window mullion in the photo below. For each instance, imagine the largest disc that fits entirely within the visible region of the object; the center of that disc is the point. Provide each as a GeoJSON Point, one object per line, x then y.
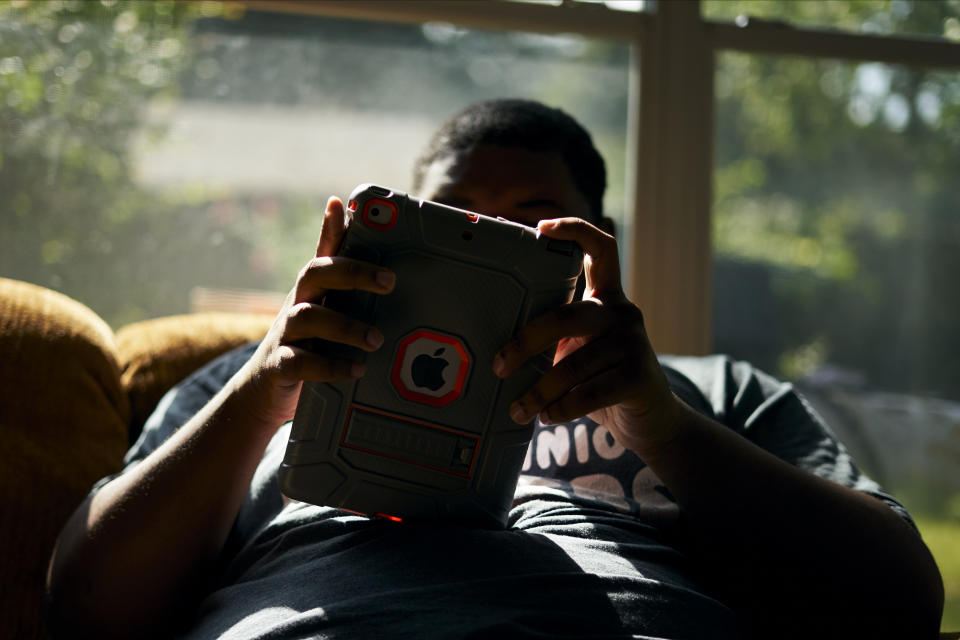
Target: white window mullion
{"type": "Point", "coordinates": [670, 265]}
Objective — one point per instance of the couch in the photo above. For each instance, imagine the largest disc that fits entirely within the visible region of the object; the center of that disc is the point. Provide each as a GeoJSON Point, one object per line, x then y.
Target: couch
{"type": "Point", "coordinates": [75, 395]}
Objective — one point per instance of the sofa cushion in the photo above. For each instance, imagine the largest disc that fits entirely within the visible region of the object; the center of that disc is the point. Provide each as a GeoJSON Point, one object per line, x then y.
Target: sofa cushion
{"type": "Point", "coordinates": [156, 354]}
{"type": "Point", "coordinates": [63, 424]}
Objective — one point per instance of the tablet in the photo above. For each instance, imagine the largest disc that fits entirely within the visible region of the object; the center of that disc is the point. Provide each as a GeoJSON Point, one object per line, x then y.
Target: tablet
{"type": "Point", "coordinates": [426, 433]}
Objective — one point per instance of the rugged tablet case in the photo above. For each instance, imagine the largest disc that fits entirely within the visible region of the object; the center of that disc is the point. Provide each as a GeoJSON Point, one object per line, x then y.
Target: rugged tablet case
{"type": "Point", "coordinates": [426, 433]}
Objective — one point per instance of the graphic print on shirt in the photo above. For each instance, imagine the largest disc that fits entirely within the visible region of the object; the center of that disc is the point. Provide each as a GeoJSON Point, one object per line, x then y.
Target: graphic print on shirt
{"type": "Point", "coordinates": [585, 455]}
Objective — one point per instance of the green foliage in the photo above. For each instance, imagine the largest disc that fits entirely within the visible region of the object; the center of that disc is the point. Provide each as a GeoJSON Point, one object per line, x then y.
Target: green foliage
{"type": "Point", "coordinates": [941, 536]}
{"type": "Point", "coordinates": [839, 181]}
{"type": "Point", "coordinates": [76, 78]}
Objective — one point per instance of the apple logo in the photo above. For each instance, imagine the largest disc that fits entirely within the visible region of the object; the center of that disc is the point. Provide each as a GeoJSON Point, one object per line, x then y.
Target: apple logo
{"type": "Point", "coordinates": [430, 368]}
{"type": "Point", "coordinates": [427, 371]}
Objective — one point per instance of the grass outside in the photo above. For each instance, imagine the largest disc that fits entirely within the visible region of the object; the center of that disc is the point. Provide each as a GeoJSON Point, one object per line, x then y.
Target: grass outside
{"type": "Point", "coordinates": [942, 536]}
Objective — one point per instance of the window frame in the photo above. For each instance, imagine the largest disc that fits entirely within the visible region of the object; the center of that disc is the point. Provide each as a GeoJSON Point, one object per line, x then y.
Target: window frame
{"type": "Point", "coordinates": [668, 261]}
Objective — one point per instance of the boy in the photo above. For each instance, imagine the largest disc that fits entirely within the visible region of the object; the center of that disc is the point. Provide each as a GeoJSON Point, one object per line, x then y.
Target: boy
{"type": "Point", "coordinates": [664, 498]}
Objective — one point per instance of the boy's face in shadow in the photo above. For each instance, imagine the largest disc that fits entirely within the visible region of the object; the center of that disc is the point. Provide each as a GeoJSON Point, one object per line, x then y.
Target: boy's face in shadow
{"type": "Point", "coordinates": [517, 184]}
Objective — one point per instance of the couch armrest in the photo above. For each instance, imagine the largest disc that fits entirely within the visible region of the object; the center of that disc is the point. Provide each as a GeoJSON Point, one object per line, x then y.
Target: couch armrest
{"type": "Point", "coordinates": [156, 354]}
{"type": "Point", "coordinates": [63, 422]}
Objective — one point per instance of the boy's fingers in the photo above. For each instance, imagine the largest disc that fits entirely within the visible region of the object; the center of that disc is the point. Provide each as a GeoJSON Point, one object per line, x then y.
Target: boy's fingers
{"type": "Point", "coordinates": [577, 368]}
{"type": "Point", "coordinates": [577, 319]}
{"type": "Point", "coordinates": [603, 390]}
{"type": "Point", "coordinates": [332, 228]}
{"type": "Point", "coordinates": [297, 363]}
{"type": "Point", "coordinates": [325, 273]}
{"type": "Point", "coordinates": [307, 320]}
{"type": "Point", "coordinates": [602, 262]}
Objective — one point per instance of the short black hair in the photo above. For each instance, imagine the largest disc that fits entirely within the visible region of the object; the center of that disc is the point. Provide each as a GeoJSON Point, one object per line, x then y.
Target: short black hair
{"type": "Point", "coordinates": [523, 124]}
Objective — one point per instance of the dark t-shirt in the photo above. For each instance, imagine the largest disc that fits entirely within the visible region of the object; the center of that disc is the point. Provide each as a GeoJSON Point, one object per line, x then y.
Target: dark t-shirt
{"type": "Point", "coordinates": [588, 552]}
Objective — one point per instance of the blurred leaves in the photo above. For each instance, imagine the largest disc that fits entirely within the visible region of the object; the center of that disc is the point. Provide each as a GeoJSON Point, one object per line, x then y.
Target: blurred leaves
{"type": "Point", "coordinates": [75, 79]}
{"type": "Point", "coordinates": [839, 180]}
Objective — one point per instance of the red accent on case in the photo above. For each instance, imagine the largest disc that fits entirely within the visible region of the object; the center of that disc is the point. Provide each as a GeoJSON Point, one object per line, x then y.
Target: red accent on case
{"type": "Point", "coordinates": [462, 434]}
{"type": "Point", "coordinates": [392, 518]}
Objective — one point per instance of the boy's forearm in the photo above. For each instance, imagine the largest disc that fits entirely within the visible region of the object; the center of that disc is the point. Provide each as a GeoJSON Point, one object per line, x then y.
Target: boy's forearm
{"type": "Point", "coordinates": [131, 554]}
{"type": "Point", "coordinates": [780, 538]}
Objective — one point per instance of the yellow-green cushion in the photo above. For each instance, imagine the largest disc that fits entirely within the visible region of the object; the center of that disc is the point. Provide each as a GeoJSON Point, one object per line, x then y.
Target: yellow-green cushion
{"type": "Point", "coordinates": [156, 354]}
{"type": "Point", "coordinates": [68, 387]}
{"type": "Point", "coordinates": [63, 425]}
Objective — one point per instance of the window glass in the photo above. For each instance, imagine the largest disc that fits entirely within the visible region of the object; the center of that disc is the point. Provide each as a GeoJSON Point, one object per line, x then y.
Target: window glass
{"type": "Point", "coordinates": [837, 247]}
{"type": "Point", "coordinates": [158, 153]}
{"type": "Point", "coordinates": [901, 17]}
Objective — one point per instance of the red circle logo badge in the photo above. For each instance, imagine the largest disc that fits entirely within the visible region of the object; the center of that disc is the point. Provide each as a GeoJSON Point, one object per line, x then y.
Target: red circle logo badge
{"type": "Point", "coordinates": [431, 368]}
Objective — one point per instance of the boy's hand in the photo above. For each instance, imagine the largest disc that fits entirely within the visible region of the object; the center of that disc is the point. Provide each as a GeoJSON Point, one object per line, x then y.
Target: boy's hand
{"type": "Point", "coordinates": [274, 374]}
{"type": "Point", "coordinates": [604, 366]}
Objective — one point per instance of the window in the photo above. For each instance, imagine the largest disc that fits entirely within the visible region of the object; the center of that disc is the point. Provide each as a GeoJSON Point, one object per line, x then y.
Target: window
{"type": "Point", "coordinates": [834, 196]}
{"type": "Point", "coordinates": [187, 162]}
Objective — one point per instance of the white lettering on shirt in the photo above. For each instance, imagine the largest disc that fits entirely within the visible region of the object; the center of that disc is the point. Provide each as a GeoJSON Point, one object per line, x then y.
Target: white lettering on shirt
{"type": "Point", "coordinates": [556, 442]}
{"type": "Point", "coordinates": [581, 442]}
{"type": "Point", "coordinates": [604, 444]}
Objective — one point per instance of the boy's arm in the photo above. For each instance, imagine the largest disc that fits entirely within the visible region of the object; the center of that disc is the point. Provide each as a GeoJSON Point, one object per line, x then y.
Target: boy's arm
{"type": "Point", "coordinates": [140, 549]}
{"type": "Point", "coordinates": [800, 553]}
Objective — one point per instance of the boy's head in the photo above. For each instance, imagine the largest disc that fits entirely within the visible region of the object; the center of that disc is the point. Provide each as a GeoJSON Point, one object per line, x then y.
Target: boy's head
{"type": "Point", "coordinates": [542, 154]}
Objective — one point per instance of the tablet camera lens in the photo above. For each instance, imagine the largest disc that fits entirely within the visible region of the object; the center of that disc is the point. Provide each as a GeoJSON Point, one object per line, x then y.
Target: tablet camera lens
{"type": "Point", "coordinates": [380, 214]}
